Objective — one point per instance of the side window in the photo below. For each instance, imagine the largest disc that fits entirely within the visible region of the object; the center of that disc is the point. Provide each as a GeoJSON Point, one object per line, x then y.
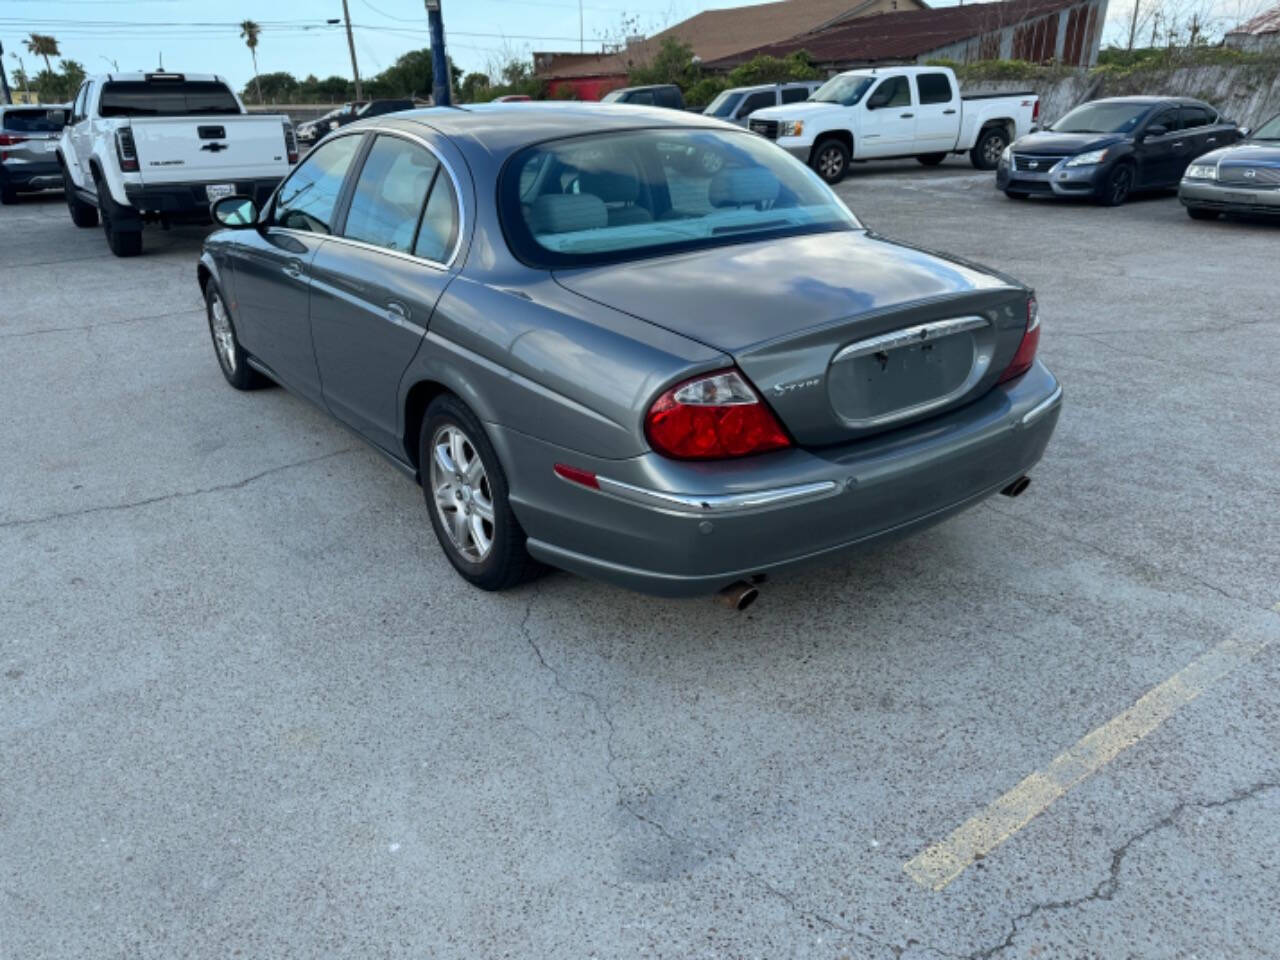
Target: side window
{"type": "Point", "coordinates": [389, 194]}
{"type": "Point", "coordinates": [644, 97]}
{"type": "Point", "coordinates": [1165, 118]}
{"type": "Point", "coordinates": [934, 88]}
{"type": "Point", "coordinates": [1197, 116]}
{"type": "Point", "coordinates": [439, 230]}
{"type": "Point", "coordinates": [308, 198]}
{"type": "Point", "coordinates": [893, 92]}
{"type": "Point", "coordinates": [794, 94]}
{"type": "Point", "coordinates": [756, 101]}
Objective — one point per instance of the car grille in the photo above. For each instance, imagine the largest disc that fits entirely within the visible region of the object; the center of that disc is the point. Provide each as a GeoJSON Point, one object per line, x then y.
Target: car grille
{"type": "Point", "coordinates": [1238, 175]}
{"type": "Point", "coordinates": [1035, 163]}
{"type": "Point", "coordinates": [766, 128]}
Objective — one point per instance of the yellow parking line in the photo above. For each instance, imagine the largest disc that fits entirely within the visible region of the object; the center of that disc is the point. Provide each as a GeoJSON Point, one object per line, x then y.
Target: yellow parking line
{"type": "Point", "coordinates": [941, 863]}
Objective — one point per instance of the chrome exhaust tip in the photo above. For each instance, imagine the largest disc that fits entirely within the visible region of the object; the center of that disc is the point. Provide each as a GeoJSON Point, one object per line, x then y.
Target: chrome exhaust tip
{"type": "Point", "coordinates": [1018, 487]}
{"type": "Point", "coordinates": [738, 596]}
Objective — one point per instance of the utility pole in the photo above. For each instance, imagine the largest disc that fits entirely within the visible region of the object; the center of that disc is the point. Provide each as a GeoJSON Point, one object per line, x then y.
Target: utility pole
{"type": "Point", "coordinates": [351, 45]}
{"type": "Point", "coordinates": [581, 48]}
{"type": "Point", "coordinates": [1133, 24]}
{"type": "Point", "coordinates": [4, 79]}
{"type": "Point", "coordinates": [440, 94]}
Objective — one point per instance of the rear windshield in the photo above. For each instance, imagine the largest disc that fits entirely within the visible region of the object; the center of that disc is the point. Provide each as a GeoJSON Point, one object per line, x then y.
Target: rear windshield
{"type": "Point", "coordinates": [43, 120]}
{"type": "Point", "coordinates": [622, 196]}
{"type": "Point", "coordinates": [166, 98]}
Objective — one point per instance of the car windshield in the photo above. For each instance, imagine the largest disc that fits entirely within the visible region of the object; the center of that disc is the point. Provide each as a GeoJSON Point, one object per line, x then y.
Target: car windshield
{"type": "Point", "coordinates": [846, 90]}
{"type": "Point", "coordinates": [621, 196]}
{"type": "Point", "coordinates": [40, 120]}
{"type": "Point", "coordinates": [166, 98]}
{"type": "Point", "coordinates": [1269, 130]}
{"type": "Point", "coordinates": [722, 106]}
{"type": "Point", "coordinates": [1103, 118]}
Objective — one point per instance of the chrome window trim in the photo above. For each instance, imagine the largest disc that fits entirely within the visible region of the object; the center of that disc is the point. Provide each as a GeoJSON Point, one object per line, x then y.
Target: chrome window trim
{"type": "Point", "coordinates": [413, 258]}
{"type": "Point", "coordinates": [909, 336]}
{"type": "Point", "coordinates": [717, 504]}
{"type": "Point", "coordinates": [1041, 408]}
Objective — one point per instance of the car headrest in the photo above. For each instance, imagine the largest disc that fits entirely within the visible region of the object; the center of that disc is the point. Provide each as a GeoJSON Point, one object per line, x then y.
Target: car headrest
{"type": "Point", "coordinates": [610, 186]}
{"type": "Point", "coordinates": [567, 212]}
{"type": "Point", "coordinates": [740, 186]}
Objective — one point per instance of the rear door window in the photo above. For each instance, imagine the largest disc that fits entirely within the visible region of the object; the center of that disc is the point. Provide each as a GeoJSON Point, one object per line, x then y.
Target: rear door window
{"type": "Point", "coordinates": [439, 231]}
{"type": "Point", "coordinates": [309, 197]}
{"type": "Point", "coordinates": [757, 101]}
{"type": "Point", "coordinates": [934, 88]}
{"type": "Point", "coordinates": [166, 98]}
{"type": "Point", "coordinates": [1196, 116]}
{"type": "Point", "coordinates": [389, 194]}
{"type": "Point", "coordinates": [795, 94]}
{"type": "Point", "coordinates": [32, 121]}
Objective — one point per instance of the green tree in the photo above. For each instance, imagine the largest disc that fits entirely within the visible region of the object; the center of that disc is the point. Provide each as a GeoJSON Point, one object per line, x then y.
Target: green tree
{"type": "Point", "coordinates": [796, 66]}
{"type": "Point", "coordinates": [70, 75]}
{"type": "Point", "coordinates": [278, 87]}
{"type": "Point", "coordinates": [673, 63]}
{"type": "Point", "coordinates": [409, 76]}
{"type": "Point", "coordinates": [474, 85]}
{"type": "Point", "coordinates": [43, 45]}
{"type": "Point", "coordinates": [249, 32]}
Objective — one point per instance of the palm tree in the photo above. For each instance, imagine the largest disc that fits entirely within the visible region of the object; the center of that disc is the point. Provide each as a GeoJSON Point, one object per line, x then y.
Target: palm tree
{"type": "Point", "coordinates": [43, 45]}
{"type": "Point", "coordinates": [249, 34]}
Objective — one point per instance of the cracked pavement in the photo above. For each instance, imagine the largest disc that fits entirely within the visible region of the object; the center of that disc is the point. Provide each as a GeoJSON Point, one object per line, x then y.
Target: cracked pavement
{"type": "Point", "coordinates": [246, 707]}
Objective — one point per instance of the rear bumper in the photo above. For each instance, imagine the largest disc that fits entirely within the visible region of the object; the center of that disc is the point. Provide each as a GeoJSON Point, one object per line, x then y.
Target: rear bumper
{"type": "Point", "coordinates": [190, 200]}
{"type": "Point", "coordinates": [31, 176]}
{"type": "Point", "coordinates": [676, 529]}
{"type": "Point", "coordinates": [1213, 196]}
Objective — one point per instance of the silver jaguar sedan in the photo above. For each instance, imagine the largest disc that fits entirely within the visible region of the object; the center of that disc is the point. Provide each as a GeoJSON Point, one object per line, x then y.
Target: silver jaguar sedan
{"type": "Point", "coordinates": [646, 347]}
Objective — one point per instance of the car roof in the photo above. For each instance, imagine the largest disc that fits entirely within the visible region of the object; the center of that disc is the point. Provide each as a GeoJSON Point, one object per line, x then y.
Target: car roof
{"type": "Point", "coordinates": [770, 86]}
{"type": "Point", "coordinates": [1147, 101]}
{"type": "Point", "coordinates": [501, 128]}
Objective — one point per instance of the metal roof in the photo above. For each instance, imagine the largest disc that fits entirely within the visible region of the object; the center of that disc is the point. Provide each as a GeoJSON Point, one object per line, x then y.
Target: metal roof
{"type": "Point", "coordinates": [1268, 22]}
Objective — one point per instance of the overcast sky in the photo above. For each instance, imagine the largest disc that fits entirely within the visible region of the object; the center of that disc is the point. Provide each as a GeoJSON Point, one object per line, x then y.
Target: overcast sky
{"type": "Point", "coordinates": [202, 36]}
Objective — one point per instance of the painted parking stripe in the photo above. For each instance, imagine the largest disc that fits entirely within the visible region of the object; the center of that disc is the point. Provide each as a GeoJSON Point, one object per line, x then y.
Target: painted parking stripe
{"type": "Point", "coordinates": [938, 865]}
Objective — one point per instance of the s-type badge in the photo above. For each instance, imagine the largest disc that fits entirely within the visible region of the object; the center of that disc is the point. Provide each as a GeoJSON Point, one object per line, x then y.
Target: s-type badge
{"type": "Point", "coordinates": [783, 389]}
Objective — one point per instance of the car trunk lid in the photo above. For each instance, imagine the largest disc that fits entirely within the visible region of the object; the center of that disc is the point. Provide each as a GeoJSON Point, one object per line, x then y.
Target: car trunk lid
{"type": "Point", "coordinates": [843, 333]}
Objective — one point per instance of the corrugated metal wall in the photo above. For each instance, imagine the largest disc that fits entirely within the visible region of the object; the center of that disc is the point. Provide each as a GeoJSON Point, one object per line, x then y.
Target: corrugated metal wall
{"type": "Point", "coordinates": [1071, 37]}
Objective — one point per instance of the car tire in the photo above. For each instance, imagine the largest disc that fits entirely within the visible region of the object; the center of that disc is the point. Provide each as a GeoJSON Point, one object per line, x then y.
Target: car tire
{"type": "Point", "coordinates": [1117, 187]}
{"type": "Point", "coordinates": [1203, 213]}
{"type": "Point", "coordinates": [462, 481]}
{"type": "Point", "coordinates": [931, 159]}
{"type": "Point", "coordinates": [8, 195]}
{"type": "Point", "coordinates": [985, 154]}
{"type": "Point", "coordinates": [830, 160]}
{"type": "Point", "coordinates": [232, 359]}
{"type": "Point", "coordinates": [124, 241]}
{"type": "Point", "coordinates": [82, 214]}
{"type": "Point", "coordinates": [1016, 195]}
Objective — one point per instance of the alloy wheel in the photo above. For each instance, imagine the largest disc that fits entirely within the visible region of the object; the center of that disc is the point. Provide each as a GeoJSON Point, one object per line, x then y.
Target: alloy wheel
{"type": "Point", "coordinates": [992, 149]}
{"type": "Point", "coordinates": [224, 338]}
{"type": "Point", "coordinates": [830, 163]}
{"type": "Point", "coordinates": [1121, 184]}
{"type": "Point", "coordinates": [462, 494]}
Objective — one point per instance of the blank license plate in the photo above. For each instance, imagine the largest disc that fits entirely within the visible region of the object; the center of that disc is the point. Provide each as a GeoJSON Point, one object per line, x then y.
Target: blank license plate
{"type": "Point", "coordinates": [1235, 196]}
{"type": "Point", "coordinates": [216, 190]}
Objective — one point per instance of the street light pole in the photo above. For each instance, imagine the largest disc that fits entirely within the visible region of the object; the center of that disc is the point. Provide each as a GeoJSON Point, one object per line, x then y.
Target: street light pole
{"type": "Point", "coordinates": [351, 45]}
{"type": "Point", "coordinates": [440, 93]}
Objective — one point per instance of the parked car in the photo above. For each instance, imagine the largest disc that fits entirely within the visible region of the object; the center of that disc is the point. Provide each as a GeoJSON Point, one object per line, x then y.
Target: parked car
{"type": "Point", "coordinates": [376, 108]}
{"type": "Point", "coordinates": [312, 130]}
{"type": "Point", "coordinates": [513, 98]}
{"type": "Point", "coordinates": [738, 103]}
{"type": "Point", "coordinates": [150, 147]}
{"type": "Point", "coordinates": [656, 95]}
{"type": "Point", "coordinates": [582, 373]}
{"type": "Point", "coordinates": [884, 112]}
{"type": "Point", "coordinates": [1242, 178]}
{"type": "Point", "coordinates": [1108, 149]}
{"type": "Point", "coordinates": [28, 148]}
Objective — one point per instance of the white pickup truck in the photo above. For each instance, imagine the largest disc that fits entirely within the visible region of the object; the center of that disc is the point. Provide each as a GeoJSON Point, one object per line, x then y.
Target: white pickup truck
{"type": "Point", "coordinates": [158, 147]}
{"type": "Point", "coordinates": [896, 112]}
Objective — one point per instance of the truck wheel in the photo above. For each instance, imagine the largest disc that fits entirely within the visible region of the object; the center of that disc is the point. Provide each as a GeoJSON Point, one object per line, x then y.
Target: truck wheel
{"type": "Point", "coordinates": [82, 214]}
{"type": "Point", "coordinates": [985, 154]}
{"type": "Point", "coordinates": [123, 238]}
{"type": "Point", "coordinates": [932, 159]}
{"type": "Point", "coordinates": [830, 160]}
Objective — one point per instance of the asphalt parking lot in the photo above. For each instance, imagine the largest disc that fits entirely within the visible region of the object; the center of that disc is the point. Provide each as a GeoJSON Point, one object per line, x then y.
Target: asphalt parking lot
{"type": "Point", "coordinates": [247, 709]}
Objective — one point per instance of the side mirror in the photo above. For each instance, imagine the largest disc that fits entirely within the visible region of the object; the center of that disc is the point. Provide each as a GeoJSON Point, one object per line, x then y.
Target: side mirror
{"type": "Point", "coordinates": [234, 212]}
{"type": "Point", "coordinates": [1156, 130]}
{"type": "Point", "coordinates": [1244, 132]}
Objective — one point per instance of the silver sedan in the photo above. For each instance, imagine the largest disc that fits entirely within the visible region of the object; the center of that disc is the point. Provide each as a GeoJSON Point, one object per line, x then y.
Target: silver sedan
{"type": "Point", "coordinates": [646, 347]}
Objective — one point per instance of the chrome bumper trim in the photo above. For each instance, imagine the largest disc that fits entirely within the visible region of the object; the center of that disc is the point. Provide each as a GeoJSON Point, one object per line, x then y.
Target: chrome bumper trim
{"type": "Point", "coordinates": [1041, 408]}
{"type": "Point", "coordinates": [718, 504]}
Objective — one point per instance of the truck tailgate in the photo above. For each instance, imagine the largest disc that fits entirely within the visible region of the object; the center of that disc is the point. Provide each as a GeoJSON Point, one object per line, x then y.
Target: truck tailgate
{"type": "Point", "coordinates": [209, 149]}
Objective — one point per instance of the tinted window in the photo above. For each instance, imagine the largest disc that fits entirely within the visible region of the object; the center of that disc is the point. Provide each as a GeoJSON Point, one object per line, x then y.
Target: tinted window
{"type": "Point", "coordinates": [308, 197]}
{"type": "Point", "coordinates": [758, 101]}
{"type": "Point", "coordinates": [32, 121]}
{"type": "Point", "coordinates": [894, 92]}
{"type": "Point", "coordinates": [646, 192]}
{"type": "Point", "coordinates": [644, 97]}
{"type": "Point", "coordinates": [668, 97]}
{"type": "Point", "coordinates": [165, 98]}
{"type": "Point", "coordinates": [1194, 116]}
{"type": "Point", "coordinates": [795, 94]}
{"type": "Point", "coordinates": [1103, 117]}
{"type": "Point", "coordinates": [1165, 118]}
{"type": "Point", "coordinates": [934, 88]}
{"type": "Point", "coordinates": [389, 194]}
{"type": "Point", "coordinates": [439, 230]}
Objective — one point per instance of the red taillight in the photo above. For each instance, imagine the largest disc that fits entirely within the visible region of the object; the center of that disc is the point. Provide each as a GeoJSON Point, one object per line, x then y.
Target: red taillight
{"type": "Point", "coordinates": [1026, 354]}
{"type": "Point", "coordinates": [713, 417]}
{"type": "Point", "coordinates": [9, 140]}
{"type": "Point", "coordinates": [577, 475]}
{"type": "Point", "coordinates": [1035, 111]}
{"type": "Point", "coordinates": [126, 151]}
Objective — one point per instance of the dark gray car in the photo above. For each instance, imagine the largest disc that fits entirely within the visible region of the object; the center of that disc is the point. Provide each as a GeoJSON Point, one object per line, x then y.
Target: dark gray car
{"type": "Point", "coordinates": [648, 348]}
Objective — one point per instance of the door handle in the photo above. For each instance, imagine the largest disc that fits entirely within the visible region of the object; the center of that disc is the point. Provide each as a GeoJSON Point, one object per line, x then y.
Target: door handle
{"type": "Point", "coordinates": [1213, 140]}
{"type": "Point", "coordinates": [907, 116]}
{"type": "Point", "coordinates": [1178, 144]}
{"type": "Point", "coordinates": [292, 270]}
{"type": "Point", "coordinates": [397, 312]}
{"type": "Point", "coordinates": [948, 111]}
